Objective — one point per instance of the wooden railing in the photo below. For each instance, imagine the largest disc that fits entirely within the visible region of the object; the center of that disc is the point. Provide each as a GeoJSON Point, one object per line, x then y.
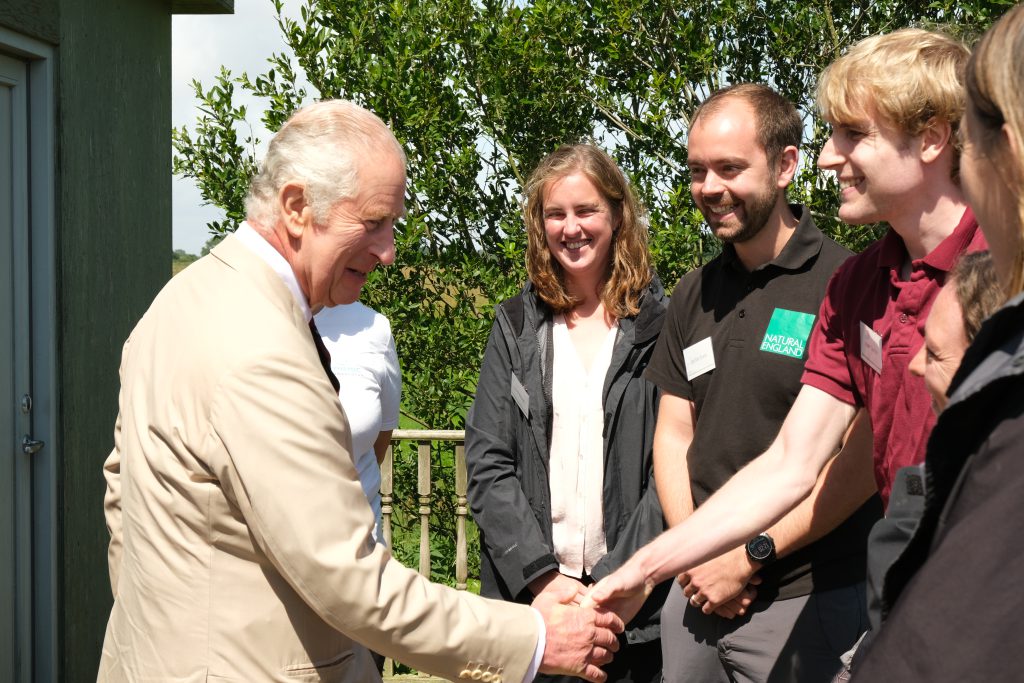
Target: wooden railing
{"type": "Point", "coordinates": [424, 493]}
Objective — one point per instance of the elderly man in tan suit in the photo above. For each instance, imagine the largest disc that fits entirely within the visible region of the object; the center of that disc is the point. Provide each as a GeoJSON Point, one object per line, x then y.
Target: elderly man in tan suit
{"type": "Point", "coordinates": [241, 545]}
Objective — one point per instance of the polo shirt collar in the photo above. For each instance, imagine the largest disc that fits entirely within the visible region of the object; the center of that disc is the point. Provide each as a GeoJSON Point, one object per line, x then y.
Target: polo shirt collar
{"type": "Point", "coordinates": [945, 255]}
{"type": "Point", "coordinates": [893, 251]}
{"type": "Point", "coordinates": [803, 245]}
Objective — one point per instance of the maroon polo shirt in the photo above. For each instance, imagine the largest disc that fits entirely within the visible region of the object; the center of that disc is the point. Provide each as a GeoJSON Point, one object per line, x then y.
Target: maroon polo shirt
{"type": "Point", "coordinates": [867, 289]}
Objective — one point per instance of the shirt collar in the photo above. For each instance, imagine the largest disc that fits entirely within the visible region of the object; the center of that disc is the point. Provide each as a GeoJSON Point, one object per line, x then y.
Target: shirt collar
{"type": "Point", "coordinates": [945, 255]}
{"type": "Point", "coordinates": [894, 252]}
{"type": "Point", "coordinates": [258, 244]}
{"type": "Point", "coordinates": [803, 245]}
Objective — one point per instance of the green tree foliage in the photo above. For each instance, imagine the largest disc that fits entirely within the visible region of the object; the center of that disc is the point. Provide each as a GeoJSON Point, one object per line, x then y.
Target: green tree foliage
{"type": "Point", "coordinates": [211, 243]}
{"type": "Point", "coordinates": [478, 91]}
{"type": "Point", "coordinates": [181, 259]}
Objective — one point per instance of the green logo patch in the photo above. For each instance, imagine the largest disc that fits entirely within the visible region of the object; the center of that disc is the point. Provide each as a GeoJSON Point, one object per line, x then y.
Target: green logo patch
{"type": "Point", "coordinates": [787, 333]}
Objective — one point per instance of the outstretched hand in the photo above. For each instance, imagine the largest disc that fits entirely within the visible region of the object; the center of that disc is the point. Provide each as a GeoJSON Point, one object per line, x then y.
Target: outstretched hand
{"type": "Point", "coordinates": [563, 589]}
{"type": "Point", "coordinates": [623, 592]}
{"type": "Point", "coordinates": [579, 640]}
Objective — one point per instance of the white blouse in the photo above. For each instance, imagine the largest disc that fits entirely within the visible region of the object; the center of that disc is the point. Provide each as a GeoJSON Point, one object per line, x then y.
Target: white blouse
{"type": "Point", "coordinates": [576, 463]}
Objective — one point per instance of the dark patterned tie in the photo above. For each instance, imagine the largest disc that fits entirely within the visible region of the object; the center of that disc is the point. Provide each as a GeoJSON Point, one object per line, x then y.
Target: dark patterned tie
{"type": "Point", "coordinates": [325, 355]}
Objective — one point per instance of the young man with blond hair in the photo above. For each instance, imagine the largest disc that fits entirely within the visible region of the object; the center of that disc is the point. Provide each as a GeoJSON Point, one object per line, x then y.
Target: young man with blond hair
{"type": "Point", "coordinates": [894, 103]}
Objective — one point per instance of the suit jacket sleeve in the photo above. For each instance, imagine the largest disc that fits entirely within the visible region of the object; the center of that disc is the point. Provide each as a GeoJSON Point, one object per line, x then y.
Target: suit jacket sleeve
{"type": "Point", "coordinates": [500, 507]}
{"type": "Point", "coordinates": [280, 448]}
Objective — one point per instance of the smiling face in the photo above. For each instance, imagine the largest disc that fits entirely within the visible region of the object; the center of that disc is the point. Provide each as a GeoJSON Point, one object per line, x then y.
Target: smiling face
{"type": "Point", "coordinates": [945, 342]}
{"type": "Point", "coordinates": [578, 225]}
{"type": "Point", "coordinates": [336, 257]}
{"type": "Point", "coordinates": [732, 182]}
{"type": "Point", "coordinates": [878, 168]}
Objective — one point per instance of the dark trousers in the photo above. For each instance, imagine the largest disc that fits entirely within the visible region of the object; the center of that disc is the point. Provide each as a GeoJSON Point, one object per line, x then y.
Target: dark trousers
{"type": "Point", "coordinates": [799, 639]}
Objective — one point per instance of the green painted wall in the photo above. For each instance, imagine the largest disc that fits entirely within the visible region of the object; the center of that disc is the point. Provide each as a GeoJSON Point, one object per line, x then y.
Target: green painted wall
{"type": "Point", "coordinates": [114, 246]}
{"type": "Point", "coordinates": [36, 19]}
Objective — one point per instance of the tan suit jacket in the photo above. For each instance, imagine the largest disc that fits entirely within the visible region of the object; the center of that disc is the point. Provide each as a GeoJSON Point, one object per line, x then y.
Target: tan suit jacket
{"type": "Point", "coordinates": [240, 536]}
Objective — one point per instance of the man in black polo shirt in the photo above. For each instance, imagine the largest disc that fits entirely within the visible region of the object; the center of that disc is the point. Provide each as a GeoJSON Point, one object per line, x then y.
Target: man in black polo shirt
{"type": "Point", "coordinates": [729, 360]}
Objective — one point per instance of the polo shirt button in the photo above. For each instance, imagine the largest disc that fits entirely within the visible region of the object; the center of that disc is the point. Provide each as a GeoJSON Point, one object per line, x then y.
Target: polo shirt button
{"type": "Point", "coordinates": [903, 318]}
{"type": "Point", "coordinates": [742, 313]}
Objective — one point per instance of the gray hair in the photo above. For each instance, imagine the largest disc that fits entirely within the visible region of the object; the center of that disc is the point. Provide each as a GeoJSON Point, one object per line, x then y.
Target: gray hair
{"type": "Point", "coordinates": [320, 146]}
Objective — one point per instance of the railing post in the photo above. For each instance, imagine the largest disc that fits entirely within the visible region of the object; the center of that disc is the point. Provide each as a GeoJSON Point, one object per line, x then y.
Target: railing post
{"type": "Point", "coordinates": [387, 491]}
{"type": "Point", "coordinates": [423, 489]}
{"type": "Point", "coordinates": [461, 511]}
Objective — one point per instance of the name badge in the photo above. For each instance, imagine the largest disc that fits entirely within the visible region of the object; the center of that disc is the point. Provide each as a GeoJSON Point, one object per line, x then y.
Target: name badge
{"type": "Point", "coordinates": [520, 396]}
{"type": "Point", "coordinates": [699, 359]}
{"type": "Point", "coordinates": [871, 348]}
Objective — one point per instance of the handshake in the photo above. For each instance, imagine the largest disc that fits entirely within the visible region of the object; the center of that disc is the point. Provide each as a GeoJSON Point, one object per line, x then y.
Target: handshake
{"type": "Point", "coordinates": [581, 631]}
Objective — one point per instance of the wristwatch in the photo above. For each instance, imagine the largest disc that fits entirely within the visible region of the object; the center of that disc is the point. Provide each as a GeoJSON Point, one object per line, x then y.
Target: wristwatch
{"type": "Point", "coordinates": [761, 548]}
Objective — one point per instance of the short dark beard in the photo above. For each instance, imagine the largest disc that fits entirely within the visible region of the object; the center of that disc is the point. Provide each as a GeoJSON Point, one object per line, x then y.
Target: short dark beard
{"type": "Point", "coordinates": [757, 211]}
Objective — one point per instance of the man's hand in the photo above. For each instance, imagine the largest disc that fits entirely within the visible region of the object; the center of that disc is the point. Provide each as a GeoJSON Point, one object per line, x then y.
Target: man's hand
{"type": "Point", "coordinates": [723, 585]}
{"type": "Point", "coordinates": [578, 640]}
{"type": "Point", "coordinates": [562, 589]}
{"type": "Point", "coordinates": [623, 592]}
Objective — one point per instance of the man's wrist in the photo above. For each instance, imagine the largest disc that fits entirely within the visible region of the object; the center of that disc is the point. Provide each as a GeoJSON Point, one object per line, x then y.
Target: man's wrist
{"type": "Point", "coordinates": [538, 652]}
{"type": "Point", "coordinates": [648, 566]}
{"type": "Point", "coordinates": [749, 565]}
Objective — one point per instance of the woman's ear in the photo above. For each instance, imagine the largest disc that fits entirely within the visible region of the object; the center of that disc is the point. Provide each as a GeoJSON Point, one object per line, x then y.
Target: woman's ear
{"type": "Point", "coordinates": [1011, 143]}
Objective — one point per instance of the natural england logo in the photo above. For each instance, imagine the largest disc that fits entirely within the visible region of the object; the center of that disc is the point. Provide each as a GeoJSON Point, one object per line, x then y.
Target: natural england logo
{"type": "Point", "coordinates": [787, 333]}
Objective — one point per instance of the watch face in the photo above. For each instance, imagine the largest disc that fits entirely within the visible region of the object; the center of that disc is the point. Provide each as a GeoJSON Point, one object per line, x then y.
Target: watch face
{"type": "Point", "coordinates": [760, 548]}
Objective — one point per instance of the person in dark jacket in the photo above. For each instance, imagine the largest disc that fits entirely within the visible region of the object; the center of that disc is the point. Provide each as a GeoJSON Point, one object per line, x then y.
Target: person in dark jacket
{"type": "Point", "coordinates": [559, 438]}
{"type": "Point", "coordinates": [949, 607]}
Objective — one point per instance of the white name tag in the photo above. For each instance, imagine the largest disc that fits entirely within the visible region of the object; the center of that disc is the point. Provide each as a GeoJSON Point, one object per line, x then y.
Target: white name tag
{"type": "Point", "coordinates": [871, 348]}
{"type": "Point", "coordinates": [699, 358]}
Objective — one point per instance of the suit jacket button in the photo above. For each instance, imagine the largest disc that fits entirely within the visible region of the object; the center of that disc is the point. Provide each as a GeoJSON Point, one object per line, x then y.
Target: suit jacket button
{"type": "Point", "coordinates": [477, 674]}
{"type": "Point", "coordinates": [465, 674]}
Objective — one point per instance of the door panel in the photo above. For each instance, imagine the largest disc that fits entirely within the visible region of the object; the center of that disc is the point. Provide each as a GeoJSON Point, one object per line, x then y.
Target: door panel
{"type": "Point", "coordinates": [15, 378]}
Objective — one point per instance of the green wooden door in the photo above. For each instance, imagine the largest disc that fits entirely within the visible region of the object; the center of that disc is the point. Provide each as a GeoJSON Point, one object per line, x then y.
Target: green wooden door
{"type": "Point", "coordinates": [15, 360]}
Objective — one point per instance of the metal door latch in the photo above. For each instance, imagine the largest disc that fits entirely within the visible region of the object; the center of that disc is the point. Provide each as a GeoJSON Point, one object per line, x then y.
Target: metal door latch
{"type": "Point", "coordinates": [30, 446]}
